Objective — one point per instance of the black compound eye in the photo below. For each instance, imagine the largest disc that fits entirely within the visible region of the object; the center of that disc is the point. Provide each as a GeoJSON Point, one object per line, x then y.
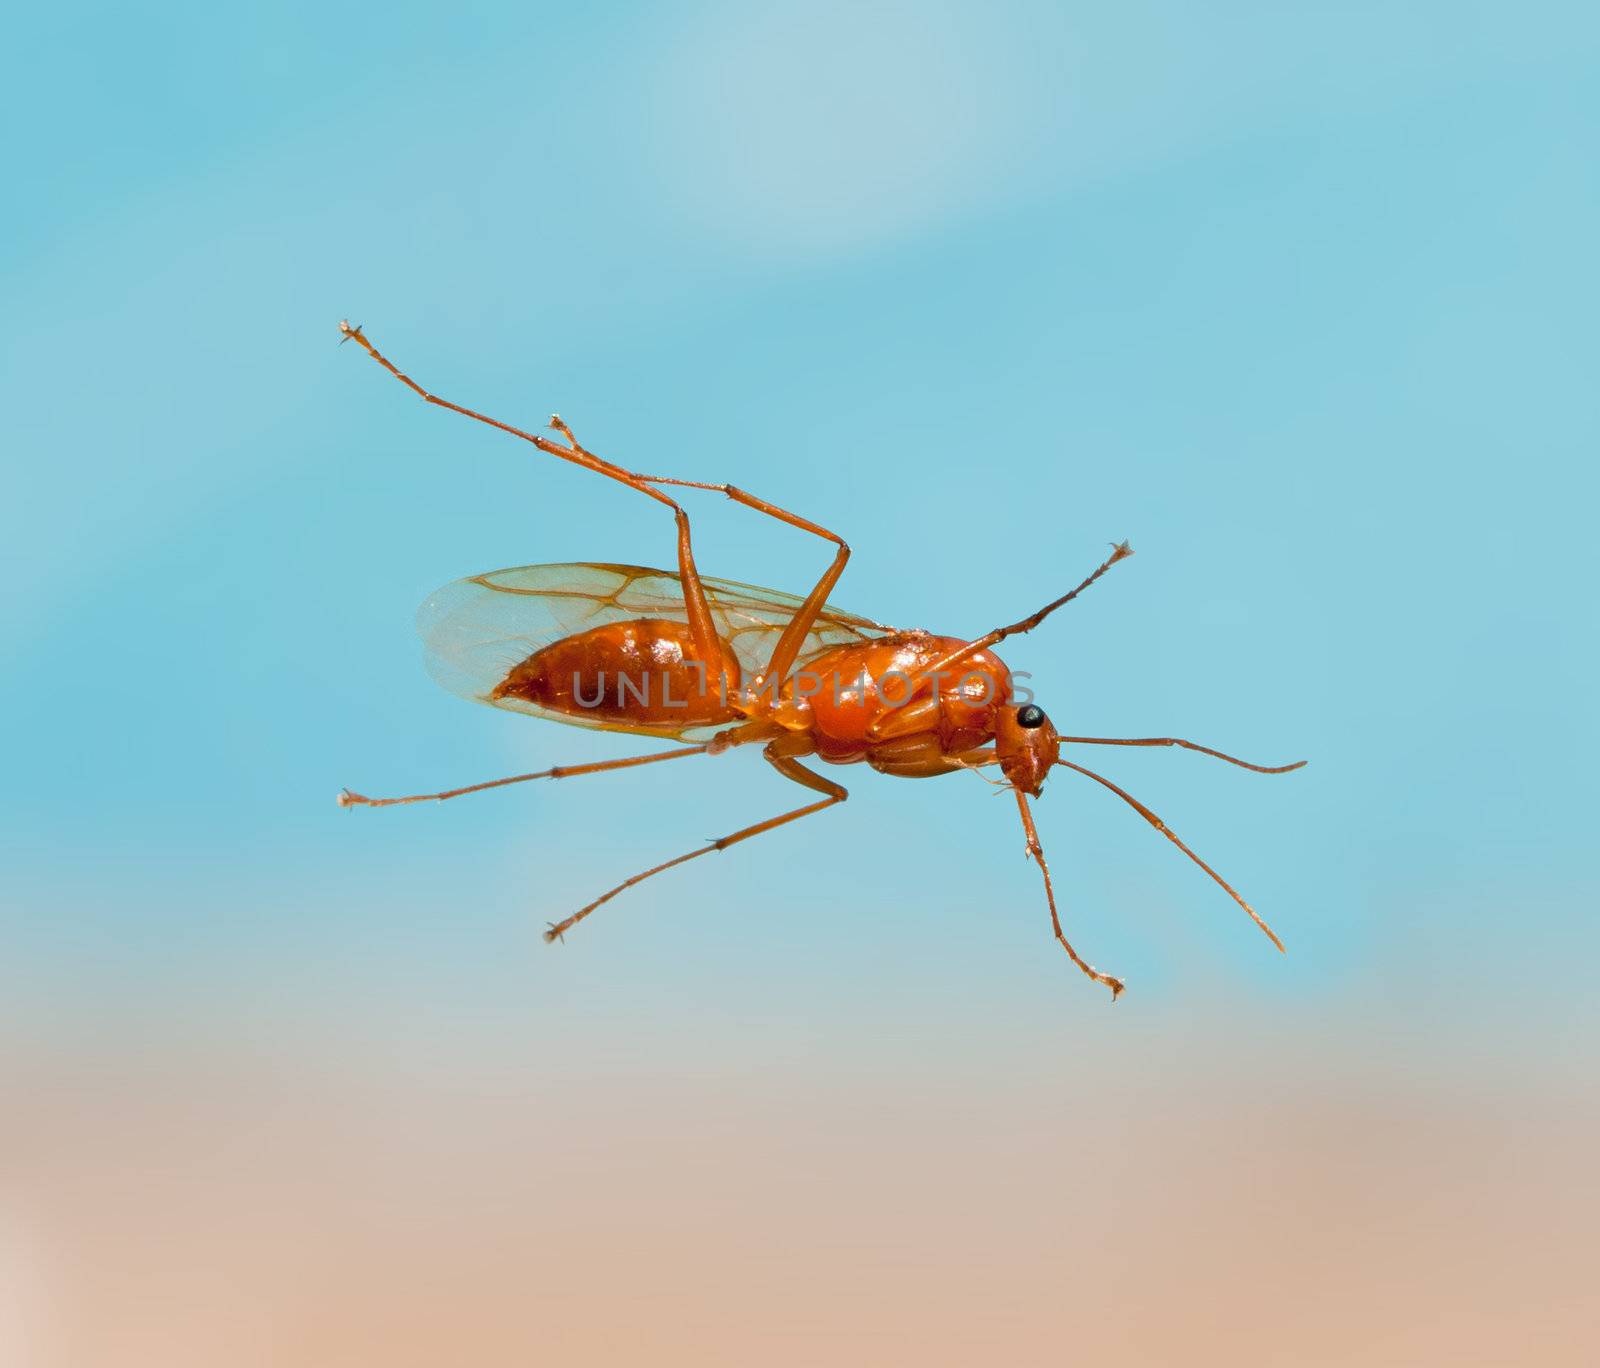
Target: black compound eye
{"type": "Point", "coordinates": [1030, 715]}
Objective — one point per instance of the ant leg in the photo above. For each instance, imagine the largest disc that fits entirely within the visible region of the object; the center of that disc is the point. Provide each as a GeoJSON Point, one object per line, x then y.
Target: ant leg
{"type": "Point", "coordinates": [787, 766]}
{"type": "Point", "coordinates": [749, 500]}
{"type": "Point", "coordinates": [347, 799]}
{"type": "Point", "coordinates": [1175, 741]}
{"type": "Point", "coordinates": [1037, 852]}
{"type": "Point", "coordinates": [1120, 551]}
{"type": "Point", "coordinates": [701, 627]}
{"type": "Point", "coordinates": [794, 634]}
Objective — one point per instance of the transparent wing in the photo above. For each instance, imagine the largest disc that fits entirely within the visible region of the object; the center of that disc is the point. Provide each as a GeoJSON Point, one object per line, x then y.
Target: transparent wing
{"type": "Point", "coordinates": [476, 629]}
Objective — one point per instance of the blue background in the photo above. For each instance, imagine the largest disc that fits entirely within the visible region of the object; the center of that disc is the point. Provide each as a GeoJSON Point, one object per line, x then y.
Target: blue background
{"type": "Point", "coordinates": [1302, 301]}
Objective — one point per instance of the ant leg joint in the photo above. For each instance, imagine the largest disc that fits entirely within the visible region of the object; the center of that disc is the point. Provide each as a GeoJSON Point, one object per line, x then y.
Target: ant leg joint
{"type": "Point", "coordinates": [559, 424]}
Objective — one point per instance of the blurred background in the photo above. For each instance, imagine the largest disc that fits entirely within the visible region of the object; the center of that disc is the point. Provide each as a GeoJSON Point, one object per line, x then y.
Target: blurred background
{"type": "Point", "coordinates": [1301, 300]}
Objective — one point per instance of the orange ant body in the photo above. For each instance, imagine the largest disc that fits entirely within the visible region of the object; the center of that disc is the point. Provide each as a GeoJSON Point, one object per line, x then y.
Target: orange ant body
{"type": "Point", "coordinates": [712, 665]}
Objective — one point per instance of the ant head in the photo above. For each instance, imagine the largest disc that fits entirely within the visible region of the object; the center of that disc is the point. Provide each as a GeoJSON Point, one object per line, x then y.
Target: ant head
{"type": "Point", "coordinates": [1027, 746]}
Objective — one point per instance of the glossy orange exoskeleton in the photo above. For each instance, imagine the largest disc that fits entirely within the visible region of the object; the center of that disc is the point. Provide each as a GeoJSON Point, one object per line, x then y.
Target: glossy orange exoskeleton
{"type": "Point", "coordinates": [710, 665]}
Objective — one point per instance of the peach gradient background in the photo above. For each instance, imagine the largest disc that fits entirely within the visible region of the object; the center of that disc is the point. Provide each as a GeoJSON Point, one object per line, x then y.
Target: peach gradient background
{"type": "Point", "coordinates": [1180, 1182]}
{"type": "Point", "coordinates": [1301, 299]}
